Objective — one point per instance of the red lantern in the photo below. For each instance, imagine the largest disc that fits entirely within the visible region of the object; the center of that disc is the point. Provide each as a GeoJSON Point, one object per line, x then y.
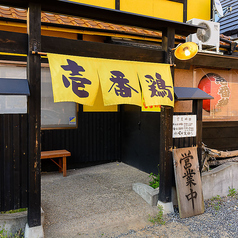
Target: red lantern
{"type": "Point", "coordinates": [217, 87]}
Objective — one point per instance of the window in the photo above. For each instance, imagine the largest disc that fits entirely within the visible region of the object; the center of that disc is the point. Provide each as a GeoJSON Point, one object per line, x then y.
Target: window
{"type": "Point", "coordinates": [13, 104]}
{"type": "Point", "coordinates": [55, 115]}
{"type": "Point", "coordinates": [223, 86]}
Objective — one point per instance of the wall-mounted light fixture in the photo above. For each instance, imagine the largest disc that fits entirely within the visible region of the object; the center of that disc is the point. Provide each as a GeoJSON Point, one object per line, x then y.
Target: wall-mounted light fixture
{"type": "Point", "coordinates": [186, 51]}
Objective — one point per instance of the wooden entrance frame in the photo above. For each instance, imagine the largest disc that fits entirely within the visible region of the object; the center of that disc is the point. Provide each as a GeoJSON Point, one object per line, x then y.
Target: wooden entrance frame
{"type": "Point", "coordinates": [38, 43]}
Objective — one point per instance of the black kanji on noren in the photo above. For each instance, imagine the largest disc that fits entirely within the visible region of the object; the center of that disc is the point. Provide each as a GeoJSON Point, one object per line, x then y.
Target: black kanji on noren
{"type": "Point", "coordinates": [78, 83]}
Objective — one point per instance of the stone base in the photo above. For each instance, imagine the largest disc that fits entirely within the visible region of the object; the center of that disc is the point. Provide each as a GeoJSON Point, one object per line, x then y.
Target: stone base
{"type": "Point", "coordinates": [167, 207]}
{"type": "Point", "coordinates": [13, 222]}
{"type": "Point", "coordinates": [36, 232]}
{"type": "Point", "coordinates": [149, 194]}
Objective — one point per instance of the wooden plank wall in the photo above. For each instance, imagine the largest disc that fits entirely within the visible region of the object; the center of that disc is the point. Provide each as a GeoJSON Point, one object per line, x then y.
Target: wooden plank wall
{"type": "Point", "coordinates": [97, 139]}
{"type": "Point", "coordinates": [184, 142]}
{"type": "Point", "coordinates": [221, 135]}
{"type": "Point", "coordinates": [13, 161]}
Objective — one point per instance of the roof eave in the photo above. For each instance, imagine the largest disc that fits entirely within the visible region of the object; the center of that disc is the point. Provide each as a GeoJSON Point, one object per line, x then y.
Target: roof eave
{"type": "Point", "coordinates": [105, 14]}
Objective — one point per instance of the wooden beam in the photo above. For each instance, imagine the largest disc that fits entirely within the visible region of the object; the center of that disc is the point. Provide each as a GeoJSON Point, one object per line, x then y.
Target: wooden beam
{"type": "Point", "coordinates": [166, 121]}
{"type": "Point", "coordinates": [15, 3]}
{"type": "Point", "coordinates": [17, 43]}
{"type": "Point", "coordinates": [215, 60]}
{"type": "Point", "coordinates": [180, 1]}
{"type": "Point", "coordinates": [209, 60]}
{"type": "Point", "coordinates": [34, 115]}
{"type": "Point", "coordinates": [12, 42]}
{"type": "Point", "coordinates": [100, 50]}
{"type": "Point", "coordinates": [219, 124]}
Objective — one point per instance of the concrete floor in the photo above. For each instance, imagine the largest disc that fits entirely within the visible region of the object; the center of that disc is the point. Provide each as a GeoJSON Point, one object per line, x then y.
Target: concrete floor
{"type": "Point", "coordinates": [94, 202]}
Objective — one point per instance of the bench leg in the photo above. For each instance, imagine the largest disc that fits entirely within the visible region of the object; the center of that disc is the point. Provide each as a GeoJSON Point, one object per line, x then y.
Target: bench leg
{"type": "Point", "coordinates": [64, 166]}
{"type": "Point", "coordinates": [60, 165]}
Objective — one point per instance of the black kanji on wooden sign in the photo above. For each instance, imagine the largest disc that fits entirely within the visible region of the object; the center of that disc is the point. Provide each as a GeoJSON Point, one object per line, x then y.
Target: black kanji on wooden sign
{"type": "Point", "coordinates": [188, 182]}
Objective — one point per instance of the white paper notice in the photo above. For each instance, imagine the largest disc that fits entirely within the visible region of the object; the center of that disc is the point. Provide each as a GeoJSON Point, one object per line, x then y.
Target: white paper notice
{"type": "Point", "coordinates": [184, 126]}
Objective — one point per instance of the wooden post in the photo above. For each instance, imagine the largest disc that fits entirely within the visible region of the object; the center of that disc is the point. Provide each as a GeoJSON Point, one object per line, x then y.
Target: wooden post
{"type": "Point", "coordinates": [197, 110]}
{"type": "Point", "coordinates": [34, 114]}
{"type": "Point", "coordinates": [117, 4]}
{"type": "Point", "coordinates": [166, 125]}
{"type": "Point", "coordinates": [185, 7]}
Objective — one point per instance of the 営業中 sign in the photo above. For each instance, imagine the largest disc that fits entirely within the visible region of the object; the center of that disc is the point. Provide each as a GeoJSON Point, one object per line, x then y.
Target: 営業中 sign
{"type": "Point", "coordinates": [188, 182]}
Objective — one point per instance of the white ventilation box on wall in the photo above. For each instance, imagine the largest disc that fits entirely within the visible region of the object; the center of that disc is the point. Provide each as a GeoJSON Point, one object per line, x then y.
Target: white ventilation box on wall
{"type": "Point", "coordinates": [208, 39]}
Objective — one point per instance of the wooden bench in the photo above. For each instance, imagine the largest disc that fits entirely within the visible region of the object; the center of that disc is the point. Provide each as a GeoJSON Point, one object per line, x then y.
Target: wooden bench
{"type": "Point", "coordinates": [61, 154]}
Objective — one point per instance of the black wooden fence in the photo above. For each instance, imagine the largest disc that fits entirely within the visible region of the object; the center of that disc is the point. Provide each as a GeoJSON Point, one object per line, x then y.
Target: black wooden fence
{"type": "Point", "coordinates": [97, 139]}
{"type": "Point", "coordinates": [13, 161]}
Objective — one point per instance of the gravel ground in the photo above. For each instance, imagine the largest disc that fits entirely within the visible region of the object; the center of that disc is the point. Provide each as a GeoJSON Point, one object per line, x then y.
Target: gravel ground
{"type": "Point", "coordinates": [93, 201]}
{"type": "Point", "coordinates": [219, 220]}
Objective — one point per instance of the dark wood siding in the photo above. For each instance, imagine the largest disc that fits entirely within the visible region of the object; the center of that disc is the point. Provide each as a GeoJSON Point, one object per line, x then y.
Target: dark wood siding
{"type": "Point", "coordinates": [13, 161]}
{"type": "Point", "coordinates": [221, 135]}
{"type": "Point", "coordinates": [184, 142]}
{"type": "Point", "coordinates": [95, 140]}
{"type": "Point", "coordinates": [140, 138]}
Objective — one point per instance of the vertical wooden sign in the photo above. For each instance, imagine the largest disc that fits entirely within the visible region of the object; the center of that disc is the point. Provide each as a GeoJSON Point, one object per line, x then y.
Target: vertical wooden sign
{"type": "Point", "coordinates": [188, 182]}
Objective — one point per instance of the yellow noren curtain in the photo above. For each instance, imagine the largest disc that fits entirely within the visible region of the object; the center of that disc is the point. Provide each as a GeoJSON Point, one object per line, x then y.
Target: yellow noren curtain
{"type": "Point", "coordinates": [77, 79]}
